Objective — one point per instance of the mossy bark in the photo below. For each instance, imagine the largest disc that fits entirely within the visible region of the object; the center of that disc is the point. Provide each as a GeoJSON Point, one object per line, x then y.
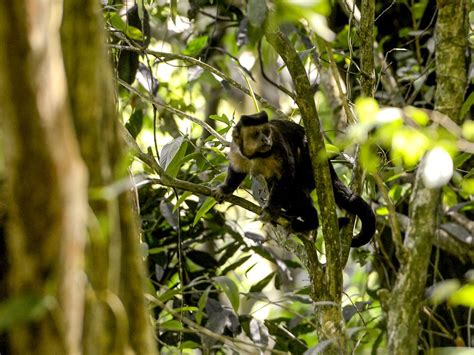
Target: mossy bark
{"type": "Point", "coordinates": [407, 295]}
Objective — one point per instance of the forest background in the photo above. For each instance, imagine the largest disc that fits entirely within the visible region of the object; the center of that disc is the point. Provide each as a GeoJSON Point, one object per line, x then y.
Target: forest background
{"type": "Point", "coordinates": [115, 127]}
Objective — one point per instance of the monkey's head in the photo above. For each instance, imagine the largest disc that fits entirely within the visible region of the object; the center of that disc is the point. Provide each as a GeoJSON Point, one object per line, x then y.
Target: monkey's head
{"type": "Point", "coordinates": [253, 135]}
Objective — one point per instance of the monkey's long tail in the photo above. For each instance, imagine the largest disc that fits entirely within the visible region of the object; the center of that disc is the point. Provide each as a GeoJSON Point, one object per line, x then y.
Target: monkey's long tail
{"type": "Point", "coordinates": [354, 204]}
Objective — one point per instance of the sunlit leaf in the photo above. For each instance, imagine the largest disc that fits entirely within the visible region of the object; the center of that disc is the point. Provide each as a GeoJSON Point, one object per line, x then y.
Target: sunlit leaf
{"type": "Point", "coordinates": [468, 130]}
{"type": "Point", "coordinates": [417, 115]}
{"type": "Point", "coordinates": [369, 159]}
{"type": "Point", "coordinates": [464, 296]}
{"type": "Point", "coordinates": [409, 146]}
{"type": "Point", "coordinates": [366, 109]}
{"type": "Point", "coordinates": [467, 185]}
{"type": "Point", "coordinates": [230, 289]}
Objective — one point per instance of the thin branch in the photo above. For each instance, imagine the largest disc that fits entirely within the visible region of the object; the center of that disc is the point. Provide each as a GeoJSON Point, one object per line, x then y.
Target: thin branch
{"type": "Point", "coordinates": [400, 250]}
{"type": "Point", "coordinates": [180, 113]}
{"type": "Point", "coordinates": [169, 181]}
{"type": "Point", "coordinates": [209, 68]}
{"type": "Point", "coordinates": [231, 342]}
{"type": "Point", "coordinates": [269, 80]}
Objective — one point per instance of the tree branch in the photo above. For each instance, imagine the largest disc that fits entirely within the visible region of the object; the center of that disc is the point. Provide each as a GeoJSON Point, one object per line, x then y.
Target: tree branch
{"type": "Point", "coordinates": [194, 61]}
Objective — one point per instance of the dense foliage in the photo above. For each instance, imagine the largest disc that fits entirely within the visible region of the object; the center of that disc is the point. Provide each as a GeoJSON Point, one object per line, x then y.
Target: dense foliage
{"type": "Point", "coordinates": [188, 70]}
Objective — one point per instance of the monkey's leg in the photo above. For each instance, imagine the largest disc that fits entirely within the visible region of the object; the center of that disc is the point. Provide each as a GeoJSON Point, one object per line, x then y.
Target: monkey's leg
{"type": "Point", "coordinates": [302, 213]}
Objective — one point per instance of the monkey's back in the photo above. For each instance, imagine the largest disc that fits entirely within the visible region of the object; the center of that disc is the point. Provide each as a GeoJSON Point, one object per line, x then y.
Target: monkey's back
{"type": "Point", "coordinates": [292, 136]}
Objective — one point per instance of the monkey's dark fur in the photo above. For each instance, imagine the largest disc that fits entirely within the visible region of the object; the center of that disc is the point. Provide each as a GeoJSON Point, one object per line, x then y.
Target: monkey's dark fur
{"type": "Point", "coordinates": [278, 151]}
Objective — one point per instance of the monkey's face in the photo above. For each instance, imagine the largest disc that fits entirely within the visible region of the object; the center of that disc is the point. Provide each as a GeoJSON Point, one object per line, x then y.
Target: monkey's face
{"type": "Point", "coordinates": [255, 140]}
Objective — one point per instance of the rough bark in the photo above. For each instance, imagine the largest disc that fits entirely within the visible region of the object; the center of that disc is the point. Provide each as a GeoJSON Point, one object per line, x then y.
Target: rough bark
{"type": "Point", "coordinates": [46, 180]}
{"type": "Point", "coordinates": [451, 42]}
{"type": "Point", "coordinates": [366, 34]}
{"type": "Point", "coordinates": [118, 320]}
{"type": "Point", "coordinates": [406, 298]}
{"type": "Point", "coordinates": [330, 316]}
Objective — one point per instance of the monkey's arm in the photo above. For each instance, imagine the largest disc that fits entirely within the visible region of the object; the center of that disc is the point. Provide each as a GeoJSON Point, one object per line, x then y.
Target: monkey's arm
{"type": "Point", "coordinates": [232, 182]}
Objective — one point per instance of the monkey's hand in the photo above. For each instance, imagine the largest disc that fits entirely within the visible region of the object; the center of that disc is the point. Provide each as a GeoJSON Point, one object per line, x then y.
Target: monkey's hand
{"type": "Point", "coordinates": [220, 193]}
{"type": "Point", "coordinates": [269, 214]}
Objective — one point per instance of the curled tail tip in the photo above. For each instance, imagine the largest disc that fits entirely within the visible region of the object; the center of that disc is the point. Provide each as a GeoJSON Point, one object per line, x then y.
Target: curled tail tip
{"type": "Point", "coordinates": [367, 230]}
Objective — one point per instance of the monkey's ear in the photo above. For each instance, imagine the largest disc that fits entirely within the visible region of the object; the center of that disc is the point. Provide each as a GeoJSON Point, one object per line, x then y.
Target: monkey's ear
{"type": "Point", "coordinates": [255, 119]}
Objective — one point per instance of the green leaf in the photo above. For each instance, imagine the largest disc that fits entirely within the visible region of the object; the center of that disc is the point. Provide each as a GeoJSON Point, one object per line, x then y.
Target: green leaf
{"type": "Point", "coordinates": [257, 11]}
{"type": "Point", "coordinates": [134, 33]}
{"type": "Point", "coordinates": [195, 46]}
{"type": "Point", "coordinates": [168, 294]}
{"type": "Point", "coordinates": [171, 325]}
{"type": "Point", "coordinates": [118, 23]}
{"type": "Point", "coordinates": [171, 154]}
{"type": "Point", "coordinates": [202, 304]}
{"type": "Point", "coordinates": [466, 106]}
{"type": "Point", "coordinates": [189, 344]}
{"type": "Point", "coordinates": [181, 199]}
{"type": "Point", "coordinates": [236, 264]}
{"type": "Point", "coordinates": [230, 289]}
{"type": "Point", "coordinates": [418, 9]}
{"type": "Point", "coordinates": [23, 309]}
{"type": "Point", "coordinates": [174, 10]}
{"type": "Point", "coordinates": [221, 118]}
{"type": "Point", "coordinates": [331, 150]}
{"type": "Point", "coordinates": [259, 286]}
{"type": "Point", "coordinates": [467, 185]}
{"type": "Point", "coordinates": [135, 123]}
{"type": "Point", "coordinates": [205, 207]}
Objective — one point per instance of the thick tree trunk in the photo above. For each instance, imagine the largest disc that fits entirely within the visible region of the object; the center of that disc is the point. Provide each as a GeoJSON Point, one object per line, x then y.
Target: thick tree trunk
{"type": "Point", "coordinates": [406, 298]}
{"type": "Point", "coordinates": [115, 264]}
{"type": "Point", "coordinates": [46, 182]}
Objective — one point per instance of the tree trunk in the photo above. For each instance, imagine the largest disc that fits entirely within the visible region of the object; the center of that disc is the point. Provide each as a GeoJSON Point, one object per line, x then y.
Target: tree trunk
{"type": "Point", "coordinates": [46, 182]}
{"type": "Point", "coordinates": [115, 264]}
{"type": "Point", "coordinates": [406, 298]}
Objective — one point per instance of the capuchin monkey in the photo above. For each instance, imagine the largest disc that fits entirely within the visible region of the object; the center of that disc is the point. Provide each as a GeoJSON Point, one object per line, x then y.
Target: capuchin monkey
{"type": "Point", "coordinates": [278, 151]}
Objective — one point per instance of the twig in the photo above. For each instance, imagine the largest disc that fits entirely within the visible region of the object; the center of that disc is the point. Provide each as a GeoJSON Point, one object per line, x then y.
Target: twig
{"type": "Point", "coordinates": [209, 68]}
{"type": "Point", "coordinates": [392, 215]}
{"type": "Point", "coordinates": [180, 113]}
{"type": "Point", "coordinates": [231, 342]}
